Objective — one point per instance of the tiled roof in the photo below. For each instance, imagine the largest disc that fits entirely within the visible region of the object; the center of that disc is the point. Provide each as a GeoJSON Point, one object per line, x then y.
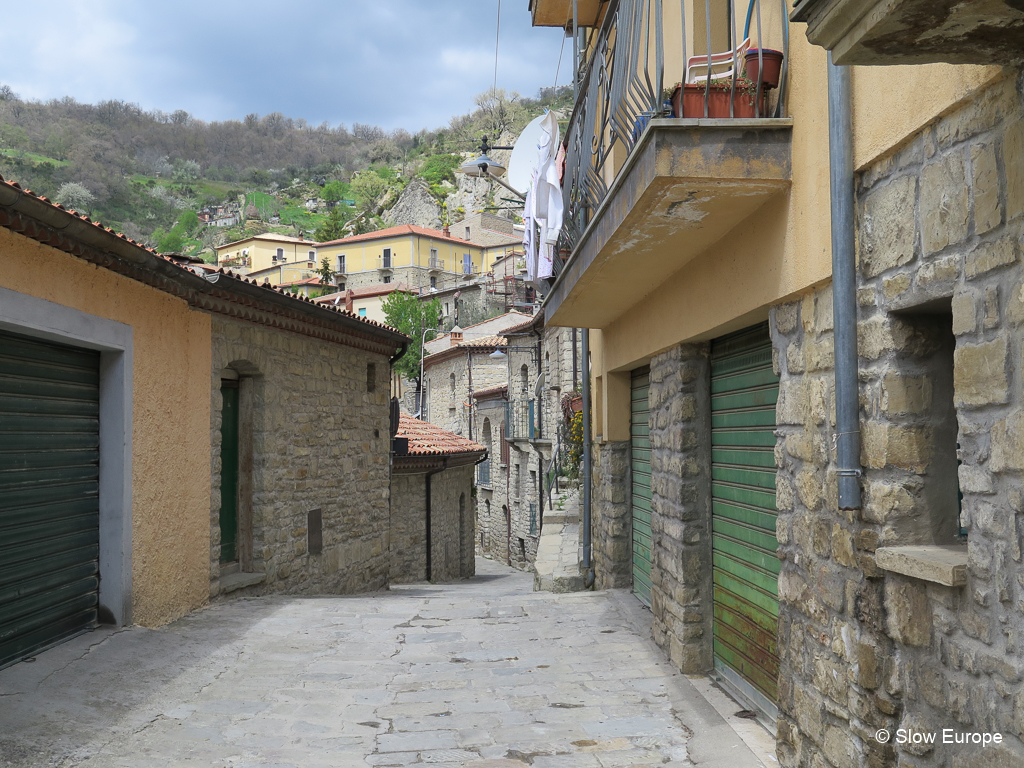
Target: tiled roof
{"type": "Point", "coordinates": [404, 229]}
{"type": "Point", "coordinates": [196, 269]}
{"type": "Point", "coordinates": [426, 439]}
{"type": "Point", "coordinates": [484, 341]}
{"type": "Point", "coordinates": [270, 237]}
{"type": "Point", "coordinates": [307, 281]}
{"type": "Point", "coordinates": [513, 329]}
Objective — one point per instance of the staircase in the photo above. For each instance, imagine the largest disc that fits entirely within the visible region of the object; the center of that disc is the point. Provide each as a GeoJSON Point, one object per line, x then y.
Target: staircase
{"type": "Point", "coordinates": [557, 567]}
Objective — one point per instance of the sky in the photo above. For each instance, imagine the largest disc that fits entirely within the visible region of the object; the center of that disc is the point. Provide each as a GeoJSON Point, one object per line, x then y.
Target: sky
{"type": "Point", "coordinates": [409, 64]}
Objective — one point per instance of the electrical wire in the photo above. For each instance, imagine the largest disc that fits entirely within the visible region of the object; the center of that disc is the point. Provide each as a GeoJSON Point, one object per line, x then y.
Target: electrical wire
{"type": "Point", "coordinates": [497, 36]}
{"type": "Point", "coordinates": [559, 67]}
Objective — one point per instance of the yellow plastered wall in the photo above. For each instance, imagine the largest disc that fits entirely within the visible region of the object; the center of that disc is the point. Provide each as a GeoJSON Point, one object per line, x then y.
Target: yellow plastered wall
{"type": "Point", "coordinates": [170, 418]}
{"type": "Point", "coordinates": [784, 248]}
{"type": "Point", "coordinates": [406, 251]}
{"type": "Point", "coordinates": [262, 252]}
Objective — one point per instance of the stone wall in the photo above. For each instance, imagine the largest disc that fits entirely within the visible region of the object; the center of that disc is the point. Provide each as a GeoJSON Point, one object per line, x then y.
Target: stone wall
{"type": "Point", "coordinates": [491, 526]}
{"type": "Point", "coordinates": [941, 303]}
{"type": "Point", "coordinates": [447, 408]}
{"type": "Point", "coordinates": [452, 529]}
{"type": "Point", "coordinates": [417, 277]}
{"type": "Point", "coordinates": [610, 515]}
{"type": "Point", "coordinates": [680, 402]}
{"type": "Point", "coordinates": [408, 529]}
{"type": "Point", "coordinates": [320, 441]}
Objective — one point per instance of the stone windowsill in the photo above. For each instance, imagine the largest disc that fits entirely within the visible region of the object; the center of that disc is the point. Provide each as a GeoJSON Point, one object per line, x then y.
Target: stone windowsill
{"type": "Point", "coordinates": [945, 565]}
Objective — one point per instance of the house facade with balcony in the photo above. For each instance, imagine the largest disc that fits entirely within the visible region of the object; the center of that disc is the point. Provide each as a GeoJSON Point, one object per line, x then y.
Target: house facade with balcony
{"type": "Point", "coordinates": [421, 257]}
{"type": "Point", "coordinates": [270, 257]}
{"type": "Point", "coordinates": [698, 250]}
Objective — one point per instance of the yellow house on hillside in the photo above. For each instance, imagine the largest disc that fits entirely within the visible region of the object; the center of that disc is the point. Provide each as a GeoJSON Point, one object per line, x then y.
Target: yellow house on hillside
{"type": "Point", "coordinates": [366, 301]}
{"type": "Point", "coordinates": [420, 257]}
{"type": "Point", "coordinates": [261, 252]}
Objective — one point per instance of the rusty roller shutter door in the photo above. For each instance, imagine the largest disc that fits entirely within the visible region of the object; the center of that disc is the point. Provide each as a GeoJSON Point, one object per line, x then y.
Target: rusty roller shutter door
{"type": "Point", "coordinates": [744, 392]}
{"type": "Point", "coordinates": [49, 493]}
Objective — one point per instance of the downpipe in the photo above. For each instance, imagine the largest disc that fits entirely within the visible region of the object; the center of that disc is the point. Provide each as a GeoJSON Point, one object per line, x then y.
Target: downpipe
{"type": "Point", "coordinates": [844, 286]}
{"type": "Point", "coordinates": [588, 564]}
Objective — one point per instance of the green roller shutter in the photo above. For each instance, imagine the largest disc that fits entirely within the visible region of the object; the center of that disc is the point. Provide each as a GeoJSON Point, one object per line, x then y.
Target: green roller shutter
{"type": "Point", "coordinates": [744, 391]}
{"type": "Point", "coordinates": [49, 493]}
{"type": "Point", "coordinates": [640, 462]}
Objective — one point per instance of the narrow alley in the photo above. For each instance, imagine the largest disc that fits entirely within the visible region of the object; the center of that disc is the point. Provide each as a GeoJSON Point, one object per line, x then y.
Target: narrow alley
{"type": "Point", "coordinates": [484, 672]}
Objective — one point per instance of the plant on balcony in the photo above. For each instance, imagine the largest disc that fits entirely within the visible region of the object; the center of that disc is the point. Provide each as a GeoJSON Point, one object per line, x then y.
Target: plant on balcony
{"type": "Point", "coordinates": [768, 61]}
{"type": "Point", "coordinates": [688, 100]}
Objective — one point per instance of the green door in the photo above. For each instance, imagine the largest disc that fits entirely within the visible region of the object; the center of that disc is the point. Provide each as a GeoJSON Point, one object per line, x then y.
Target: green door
{"type": "Point", "coordinates": [49, 493]}
{"type": "Point", "coordinates": [229, 472]}
{"type": "Point", "coordinates": [744, 391]}
{"type": "Point", "coordinates": [640, 465]}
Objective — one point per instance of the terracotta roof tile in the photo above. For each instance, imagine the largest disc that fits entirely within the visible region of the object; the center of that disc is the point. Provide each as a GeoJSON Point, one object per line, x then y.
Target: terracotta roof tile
{"type": "Point", "coordinates": [426, 439]}
{"type": "Point", "coordinates": [204, 268]}
{"type": "Point", "coordinates": [498, 390]}
{"type": "Point", "coordinates": [404, 229]}
{"type": "Point", "coordinates": [484, 341]}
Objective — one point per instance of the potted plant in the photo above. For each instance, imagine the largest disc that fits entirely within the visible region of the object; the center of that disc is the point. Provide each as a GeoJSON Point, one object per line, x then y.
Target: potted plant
{"type": "Point", "coordinates": [688, 99]}
{"type": "Point", "coordinates": [768, 61]}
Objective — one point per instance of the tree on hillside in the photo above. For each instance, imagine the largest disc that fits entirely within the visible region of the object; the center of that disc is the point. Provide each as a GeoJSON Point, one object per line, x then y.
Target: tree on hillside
{"type": "Point", "coordinates": [367, 187]}
{"type": "Point", "coordinates": [406, 313]}
{"type": "Point", "coordinates": [334, 227]}
{"type": "Point", "coordinates": [75, 196]}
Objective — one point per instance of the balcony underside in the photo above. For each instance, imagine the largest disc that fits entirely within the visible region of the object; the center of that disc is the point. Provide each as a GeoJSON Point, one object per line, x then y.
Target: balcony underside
{"type": "Point", "coordinates": [915, 31]}
{"type": "Point", "coordinates": [685, 185]}
{"type": "Point", "coordinates": [558, 13]}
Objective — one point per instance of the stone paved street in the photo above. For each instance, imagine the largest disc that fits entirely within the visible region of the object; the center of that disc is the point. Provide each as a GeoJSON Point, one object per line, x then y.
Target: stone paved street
{"type": "Point", "coordinates": [479, 673]}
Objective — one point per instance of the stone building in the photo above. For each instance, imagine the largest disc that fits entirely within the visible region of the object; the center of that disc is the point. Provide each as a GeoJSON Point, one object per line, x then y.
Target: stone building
{"type": "Point", "coordinates": [450, 376]}
{"type": "Point", "coordinates": [113, 461]}
{"type": "Point", "coordinates": [432, 518]}
{"type": "Point", "coordinates": [520, 422]}
{"type": "Point", "coordinates": [713, 369]}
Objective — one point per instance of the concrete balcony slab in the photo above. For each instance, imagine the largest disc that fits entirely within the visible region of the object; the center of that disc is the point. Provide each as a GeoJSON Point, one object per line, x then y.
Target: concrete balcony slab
{"type": "Point", "coordinates": [685, 185]}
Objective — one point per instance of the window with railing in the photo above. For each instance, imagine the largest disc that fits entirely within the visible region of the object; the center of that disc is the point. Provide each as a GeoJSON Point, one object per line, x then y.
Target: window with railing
{"type": "Point", "coordinates": [520, 419]}
{"type": "Point", "coordinates": [715, 59]}
{"type": "Point", "coordinates": [483, 472]}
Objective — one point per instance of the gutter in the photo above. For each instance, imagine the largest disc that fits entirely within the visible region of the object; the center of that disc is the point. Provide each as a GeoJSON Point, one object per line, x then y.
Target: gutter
{"type": "Point", "coordinates": [844, 286]}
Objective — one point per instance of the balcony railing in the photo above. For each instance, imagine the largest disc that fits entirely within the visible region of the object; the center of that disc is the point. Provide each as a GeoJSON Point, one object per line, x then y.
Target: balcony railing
{"type": "Point", "coordinates": [638, 58]}
{"type": "Point", "coordinates": [436, 263]}
{"type": "Point", "coordinates": [520, 420]}
{"type": "Point", "coordinates": [384, 262]}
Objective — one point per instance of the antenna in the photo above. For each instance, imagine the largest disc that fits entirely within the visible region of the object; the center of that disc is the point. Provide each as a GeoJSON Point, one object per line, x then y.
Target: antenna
{"type": "Point", "coordinates": [525, 155]}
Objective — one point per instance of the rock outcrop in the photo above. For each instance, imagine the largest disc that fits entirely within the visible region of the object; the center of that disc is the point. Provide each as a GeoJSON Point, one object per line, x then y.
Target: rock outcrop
{"type": "Point", "coordinates": [415, 206]}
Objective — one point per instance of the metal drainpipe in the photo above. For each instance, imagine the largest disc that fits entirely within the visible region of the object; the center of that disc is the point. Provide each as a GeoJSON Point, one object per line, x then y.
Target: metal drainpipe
{"type": "Point", "coordinates": [844, 286]}
{"type": "Point", "coordinates": [587, 468]}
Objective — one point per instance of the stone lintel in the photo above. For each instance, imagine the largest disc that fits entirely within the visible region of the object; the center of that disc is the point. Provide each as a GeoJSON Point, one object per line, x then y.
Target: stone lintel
{"type": "Point", "coordinates": [942, 564]}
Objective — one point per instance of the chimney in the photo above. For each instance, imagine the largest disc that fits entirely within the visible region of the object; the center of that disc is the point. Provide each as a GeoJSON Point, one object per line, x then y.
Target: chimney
{"type": "Point", "coordinates": [456, 338]}
{"type": "Point", "coordinates": [446, 231]}
{"type": "Point", "coordinates": [348, 300]}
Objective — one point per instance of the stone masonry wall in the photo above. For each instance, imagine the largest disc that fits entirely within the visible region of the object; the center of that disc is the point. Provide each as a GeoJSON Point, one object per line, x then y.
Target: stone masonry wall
{"type": "Point", "coordinates": [448, 409]}
{"type": "Point", "coordinates": [941, 305]}
{"type": "Point", "coordinates": [408, 529]}
{"type": "Point", "coordinates": [452, 525]}
{"type": "Point", "coordinates": [610, 515]}
{"type": "Point", "coordinates": [320, 441]}
{"type": "Point", "coordinates": [681, 518]}
{"type": "Point", "coordinates": [491, 528]}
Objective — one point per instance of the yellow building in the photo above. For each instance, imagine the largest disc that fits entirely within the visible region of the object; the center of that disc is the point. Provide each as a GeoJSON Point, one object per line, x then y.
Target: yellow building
{"type": "Point", "coordinates": [700, 252]}
{"type": "Point", "coordinates": [264, 252]}
{"type": "Point", "coordinates": [366, 301]}
{"type": "Point", "coordinates": [420, 257]}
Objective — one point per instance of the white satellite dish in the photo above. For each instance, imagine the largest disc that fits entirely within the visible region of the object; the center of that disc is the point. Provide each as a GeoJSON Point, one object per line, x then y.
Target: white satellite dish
{"type": "Point", "coordinates": [525, 156]}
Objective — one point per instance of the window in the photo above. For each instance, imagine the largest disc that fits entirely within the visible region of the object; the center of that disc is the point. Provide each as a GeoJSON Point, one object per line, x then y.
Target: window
{"type": "Point", "coordinates": [312, 256]}
{"type": "Point", "coordinates": [362, 311]}
{"type": "Point", "coordinates": [341, 287]}
{"type": "Point", "coordinates": [280, 255]}
{"type": "Point", "coordinates": [433, 257]}
{"type": "Point", "coordinates": [447, 311]}
{"type": "Point", "coordinates": [387, 279]}
{"type": "Point", "coordinates": [467, 264]}
{"type": "Point", "coordinates": [371, 377]}
{"type": "Point", "coordinates": [341, 263]}
{"type": "Point", "coordinates": [467, 233]}
{"type": "Point", "coordinates": [524, 380]}
{"type": "Point", "coordinates": [386, 259]}
{"type": "Point", "coordinates": [433, 282]}
{"type": "Point", "coordinates": [451, 381]}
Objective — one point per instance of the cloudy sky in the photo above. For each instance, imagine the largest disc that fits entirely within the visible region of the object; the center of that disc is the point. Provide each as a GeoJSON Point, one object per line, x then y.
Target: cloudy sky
{"type": "Point", "coordinates": [395, 63]}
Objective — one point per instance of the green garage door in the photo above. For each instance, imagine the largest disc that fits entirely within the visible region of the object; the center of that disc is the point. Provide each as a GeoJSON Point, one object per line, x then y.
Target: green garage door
{"type": "Point", "coordinates": [640, 458]}
{"type": "Point", "coordinates": [49, 493]}
{"type": "Point", "coordinates": [744, 391]}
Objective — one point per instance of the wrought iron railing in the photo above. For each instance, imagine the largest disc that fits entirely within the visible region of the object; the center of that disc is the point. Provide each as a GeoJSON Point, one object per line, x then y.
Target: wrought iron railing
{"type": "Point", "coordinates": [520, 420]}
{"type": "Point", "coordinates": [622, 86]}
{"type": "Point", "coordinates": [436, 263]}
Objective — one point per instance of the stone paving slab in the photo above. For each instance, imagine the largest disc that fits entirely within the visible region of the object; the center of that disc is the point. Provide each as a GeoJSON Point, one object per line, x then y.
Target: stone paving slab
{"type": "Point", "coordinates": [483, 673]}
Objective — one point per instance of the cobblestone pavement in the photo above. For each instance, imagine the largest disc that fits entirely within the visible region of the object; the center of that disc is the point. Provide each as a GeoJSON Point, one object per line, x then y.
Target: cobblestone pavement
{"type": "Point", "coordinates": [479, 673]}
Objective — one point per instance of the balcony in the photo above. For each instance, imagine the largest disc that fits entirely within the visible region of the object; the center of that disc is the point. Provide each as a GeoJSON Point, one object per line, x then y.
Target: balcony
{"type": "Point", "coordinates": [558, 13]}
{"type": "Point", "coordinates": [435, 264]}
{"type": "Point", "coordinates": [647, 191]}
{"type": "Point", "coordinates": [520, 420]}
{"type": "Point", "coordinates": [915, 31]}
{"type": "Point", "coordinates": [384, 263]}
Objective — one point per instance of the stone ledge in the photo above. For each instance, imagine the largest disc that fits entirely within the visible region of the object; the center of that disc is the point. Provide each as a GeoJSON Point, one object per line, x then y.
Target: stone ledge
{"type": "Point", "coordinates": [941, 564]}
{"type": "Point", "coordinates": [233, 581]}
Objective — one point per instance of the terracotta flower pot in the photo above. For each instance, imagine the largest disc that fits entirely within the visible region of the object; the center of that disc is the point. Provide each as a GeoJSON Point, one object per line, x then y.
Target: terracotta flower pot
{"type": "Point", "coordinates": [688, 101]}
{"type": "Point", "coordinates": [771, 62]}
{"type": "Point", "coordinates": [576, 404]}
